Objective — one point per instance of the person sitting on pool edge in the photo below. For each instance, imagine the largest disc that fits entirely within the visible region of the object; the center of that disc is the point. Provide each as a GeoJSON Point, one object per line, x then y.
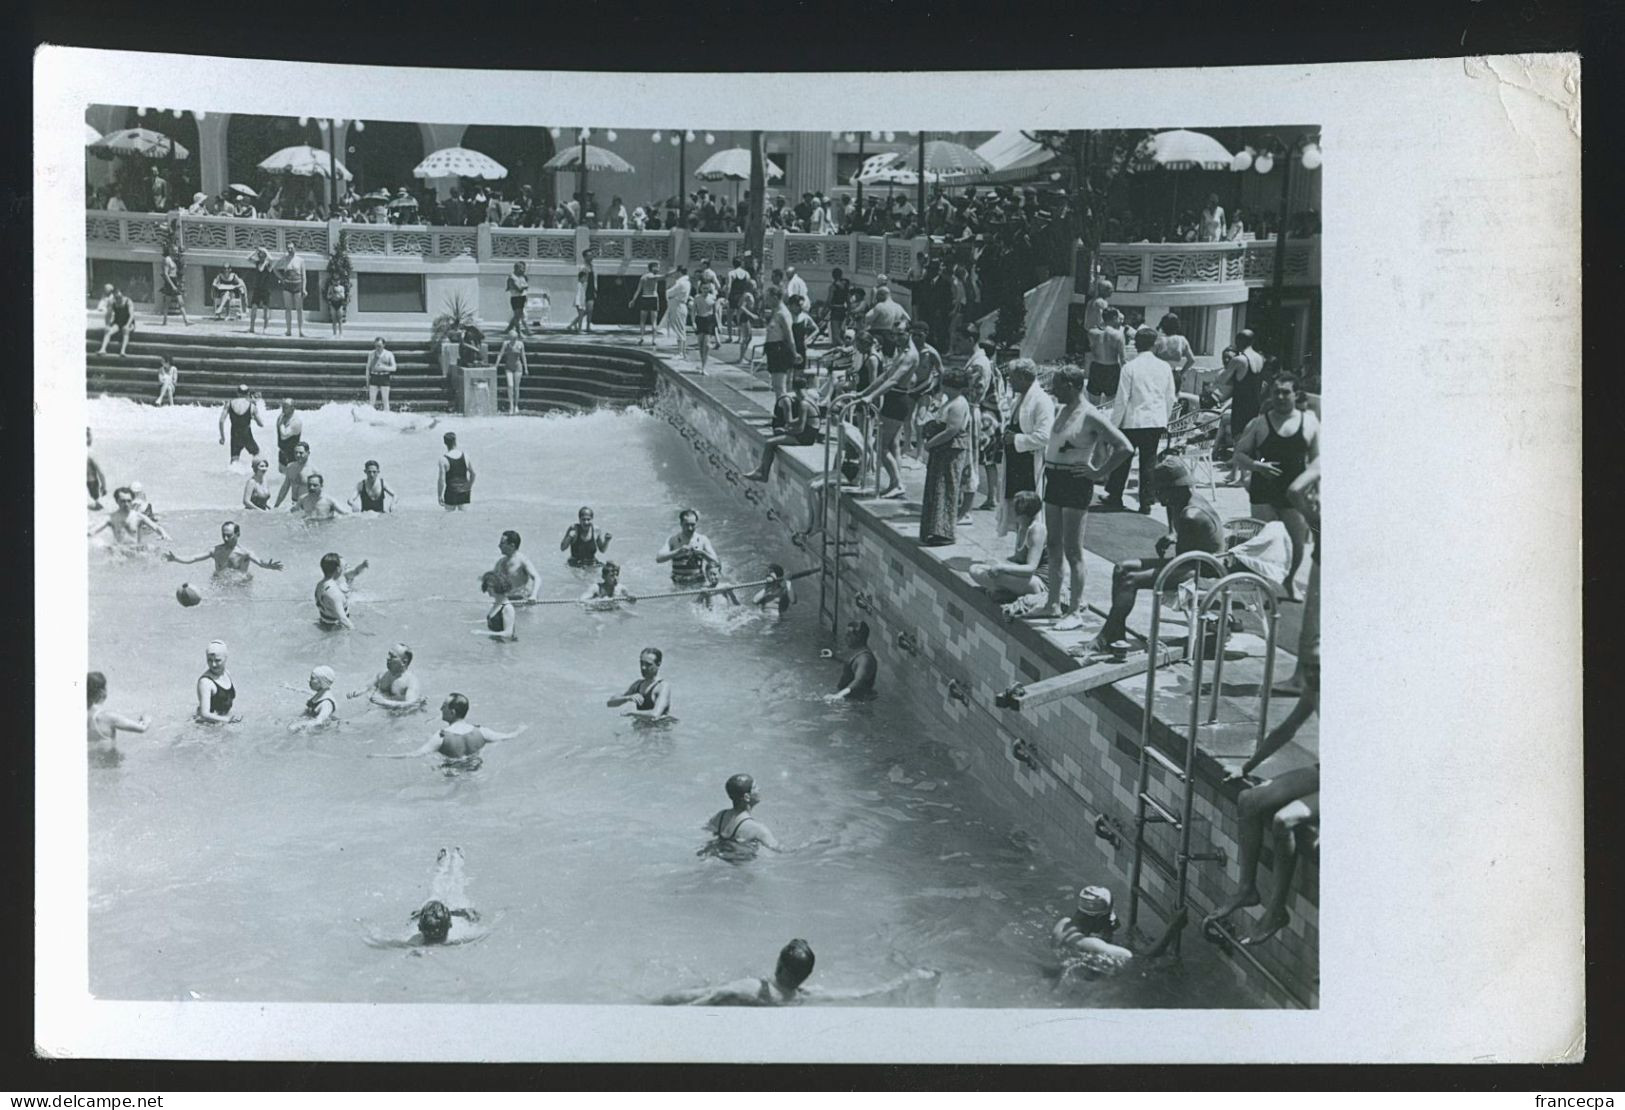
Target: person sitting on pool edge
{"type": "Point", "coordinates": [650, 695]}
{"type": "Point", "coordinates": [456, 739]}
{"type": "Point", "coordinates": [608, 589]}
{"type": "Point", "coordinates": [583, 542]}
{"type": "Point", "coordinates": [1197, 526]}
{"type": "Point", "coordinates": [501, 622]}
{"type": "Point", "coordinates": [333, 591]}
{"type": "Point", "coordinates": [395, 688]}
{"type": "Point", "coordinates": [1019, 580]}
{"type": "Point", "coordinates": [320, 708]}
{"type": "Point", "coordinates": [1084, 941]}
{"type": "Point", "coordinates": [786, 987]}
{"type": "Point", "coordinates": [858, 676]}
{"type": "Point", "coordinates": [736, 831]}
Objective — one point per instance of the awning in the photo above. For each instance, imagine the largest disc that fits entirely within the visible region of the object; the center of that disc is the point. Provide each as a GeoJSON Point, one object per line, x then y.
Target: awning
{"type": "Point", "coordinates": [1015, 158]}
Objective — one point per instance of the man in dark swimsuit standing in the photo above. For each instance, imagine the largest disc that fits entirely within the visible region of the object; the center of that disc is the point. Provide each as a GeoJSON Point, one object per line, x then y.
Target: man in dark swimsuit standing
{"type": "Point", "coordinates": [650, 695]}
{"type": "Point", "coordinates": [736, 829]}
{"type": "Point", "coordinates": [1197, 526]}
{"type": "Point", "coordinates": [290, 427]}
{"type": "Point", "coordinates": [456, 484]}
{"type": "Point", "coordinates": [858, 676]}
{"type": "Point", "coordinates": [242, 411]}
{"type": "Point", "coordinates": [688, 551]}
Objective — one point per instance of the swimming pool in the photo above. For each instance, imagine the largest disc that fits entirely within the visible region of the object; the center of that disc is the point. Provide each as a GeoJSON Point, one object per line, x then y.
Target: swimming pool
{"type": "Point", "coordinates": [247, 863]}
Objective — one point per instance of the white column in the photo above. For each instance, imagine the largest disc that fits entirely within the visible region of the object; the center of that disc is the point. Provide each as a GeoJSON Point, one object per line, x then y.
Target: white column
{"type": "Point", "coordinates": [810, 163]}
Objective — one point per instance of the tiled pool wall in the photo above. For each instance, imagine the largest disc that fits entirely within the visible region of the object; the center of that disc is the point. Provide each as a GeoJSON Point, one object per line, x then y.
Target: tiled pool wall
{"type": "Point", "coordinates": [944, 646]}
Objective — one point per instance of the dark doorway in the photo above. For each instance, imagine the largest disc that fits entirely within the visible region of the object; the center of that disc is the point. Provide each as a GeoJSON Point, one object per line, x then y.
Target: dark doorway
{"type": "Point", "coordinates": [522, 150]}
{"type": "Point", "coordinates": [382, 155]}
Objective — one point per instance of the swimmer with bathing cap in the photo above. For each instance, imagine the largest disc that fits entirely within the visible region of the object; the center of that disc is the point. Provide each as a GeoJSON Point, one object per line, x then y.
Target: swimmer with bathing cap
{"type": "Point", "coordinates": [1083, 939]}
{"type": "Point", "coordinates": [736, 831]}
{"type": "Point", "coordinates": [395, 688]}
{"type": "Point", "coordinates": [650, 695]}
{"type": "Point", "coordinates": [320, 709]}
{"type": "Point", "coordinates": [786, 987]}
{"type": "Point", "coordinates": [216, 692]}
{"type": "Point", "coordinates": [858, 676]}
{"type": "Point", "coordinates": [230, 556]}
{"type": "Point", "coordinates": [456, 739]}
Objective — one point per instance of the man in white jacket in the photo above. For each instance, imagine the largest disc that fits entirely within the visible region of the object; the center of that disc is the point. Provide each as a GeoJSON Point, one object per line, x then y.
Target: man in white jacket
{"type": "Point", "coordinates": [1144, 402]}
{"type": "Point", "coordinates": [1025, 438]}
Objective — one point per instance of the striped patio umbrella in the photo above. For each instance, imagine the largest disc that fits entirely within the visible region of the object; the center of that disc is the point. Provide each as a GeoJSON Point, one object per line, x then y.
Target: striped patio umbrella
{"type": "Point", "coordinates": [303, 161]}
{"type": "Point", "coordinates": [458, 161]}
{"type": "Point", "coordinates": [137, 142]}
{"type": "Point", "coordinates": [733, 165]}
{"type": "Point", "coordinates": [945, 159]}
{"type": "Point", "coordinates": [599, 160]}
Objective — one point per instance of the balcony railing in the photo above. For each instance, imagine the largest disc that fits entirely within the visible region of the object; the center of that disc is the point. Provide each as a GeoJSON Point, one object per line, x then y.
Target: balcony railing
{"type": "Point", "coordinates": [1167, 268]}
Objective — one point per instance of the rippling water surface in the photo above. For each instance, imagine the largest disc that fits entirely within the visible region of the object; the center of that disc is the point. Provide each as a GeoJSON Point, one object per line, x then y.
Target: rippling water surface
{"type": "Point", "coordinates": [246, 863]}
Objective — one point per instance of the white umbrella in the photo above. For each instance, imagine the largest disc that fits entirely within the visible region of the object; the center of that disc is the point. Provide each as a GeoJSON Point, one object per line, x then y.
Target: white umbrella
{"type": "Point", "coordinates": [243, 190]}
{"type": "Point", "coordinates": [458, 161]}
{"type": "Point", "coordinates": [1181, 150]}
{"type": "Point", "coordinates": [137, 141]}
{"type": "Point", "coordinates": [91, 135]}
{"type": "Point", "coordinates": [303, 161]}
{"type": "Point", "coordinates": [734, 165]}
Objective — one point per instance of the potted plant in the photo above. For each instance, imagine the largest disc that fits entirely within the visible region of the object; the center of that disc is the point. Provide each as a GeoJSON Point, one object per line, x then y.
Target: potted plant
{"type": "Point", "coordinates": [446, 332]}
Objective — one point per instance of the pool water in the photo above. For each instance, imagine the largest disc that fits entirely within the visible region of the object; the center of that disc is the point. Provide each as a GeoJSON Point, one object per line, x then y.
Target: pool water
{"type": "Point", "coordinates": [247, 863]}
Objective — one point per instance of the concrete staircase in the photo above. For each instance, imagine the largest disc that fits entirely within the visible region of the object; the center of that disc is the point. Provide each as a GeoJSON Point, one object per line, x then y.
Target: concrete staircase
{"type": "Point", "coordinates": [564, 376]}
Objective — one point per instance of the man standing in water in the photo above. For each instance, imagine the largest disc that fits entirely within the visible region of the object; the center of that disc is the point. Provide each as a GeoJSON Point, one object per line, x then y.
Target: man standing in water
{"type": "Point", "coordinates": [333, 592]}
{"type": "Point", "coordinates": [229, 556]}
{"type": "Point", "coordinates": [688, 551]}
{"type": "Point", "coordinates": [290, 427]}
{"type": "Point", "coordinates": [395, 688]}
{"type": "Point", "coordinates": [456, 480]}
{"type": "Point", "coordinates": [650, 695]}
{"type": "Point", "coordinates": [735, 830]}
{"type": "Point", "coordinates": [523, 578]}
{"type": "Point", "coordinates": [293, 474]}
{"type": "Point", "coordinates": [785, 988]}
{"type": "Point", "coordinates": [457, 739]}
{"type": "Point", "coordinates": [125, 522]}
{"type": "Point", "coordinates": [242, 410]}
{"type": "Point", "coordinates": [858, 676]}
{"type": "Point", "coordinates": [315, 504]}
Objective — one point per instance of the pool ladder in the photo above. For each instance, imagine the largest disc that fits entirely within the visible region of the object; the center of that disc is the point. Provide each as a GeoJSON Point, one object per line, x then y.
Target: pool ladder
{"type": "Point", "coordinates": [834, 546]}
{"type": "Point", "coordinates": [1149, 811]}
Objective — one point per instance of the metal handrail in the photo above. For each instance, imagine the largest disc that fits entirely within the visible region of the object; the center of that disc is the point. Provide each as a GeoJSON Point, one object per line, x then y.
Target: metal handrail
{"type": "Point", "coordinates": [831, 538]}
{"type": "Point", "coordinates": [1153, 647]}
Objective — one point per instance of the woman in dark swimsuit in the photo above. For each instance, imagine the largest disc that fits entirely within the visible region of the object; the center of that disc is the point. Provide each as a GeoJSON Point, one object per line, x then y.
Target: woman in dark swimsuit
{"type": "Point", "coordinates": [1276, 446]}
{"type": "Point", "coordinates": [215, 690]}
{"type": "Point", "coordinates": [259, 286]}
{"type": "Point", "coordinates": [583, 542]}
{"type": "Point", "coordinates": [500, 622]}
{"type": "Point", "coordinates": [650, 695]}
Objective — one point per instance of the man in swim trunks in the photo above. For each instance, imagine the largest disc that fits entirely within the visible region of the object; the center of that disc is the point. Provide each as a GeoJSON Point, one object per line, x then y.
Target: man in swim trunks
{"type": "Point", "coordinates": [1084, 939]}
{"type": "Point", "coordinates": [785, 988]}
{"type": "Point", "coordinates": [293, 475]}
{"type": "Point", "coordinates": [583, 542]}
{"type": "Point", "coordinates": [290, 426]}
{"type": "Point", "coordinates": [395, 688]}
{"type": "Point", "coordinates": [523, 578]}
{"type": "Point", "coordinates": [242, 411]}
{"type": "Point", "coordinates": [126, 523]}
{"type": "Point", "coordinates": [372, 493]}
{"type": "Point", "coordinates": [315, 504]}
{"type": "Point", "coordinates": [650, 695]}
{"type": "Point", "coordinates": [229, 556]}
{"type": "Point", "coordinates": [736, 830]}
{"type": "Point", "coordinates": [688, 551]}
{"type": "Point", "coordinates": [858, 676]}
{"type": "Point", "coordinates": [1197, 526]}
{"type": "Point", "coordinates": [120, 321]}
{"type": "Point", "coordinates": [333, 591]}
{"type": "Point", "coordinates": [456, 478]}
{"type": "Point", "coordinates": [456, 739]}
